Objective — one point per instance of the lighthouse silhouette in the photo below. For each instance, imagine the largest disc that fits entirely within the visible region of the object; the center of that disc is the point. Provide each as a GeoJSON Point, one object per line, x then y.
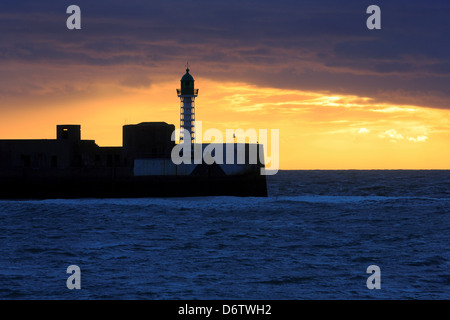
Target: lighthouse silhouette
{"type": "Point", "coordinates": [187, 94]}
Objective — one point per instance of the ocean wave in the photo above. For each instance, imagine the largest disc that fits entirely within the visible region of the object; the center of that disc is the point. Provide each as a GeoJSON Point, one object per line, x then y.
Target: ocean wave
{"type": "Point", "coordinates": [351, 199]}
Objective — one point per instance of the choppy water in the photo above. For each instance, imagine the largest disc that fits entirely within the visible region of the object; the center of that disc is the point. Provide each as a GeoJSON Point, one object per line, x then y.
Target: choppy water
{"type": "Point", "coordinates": [312, 238]}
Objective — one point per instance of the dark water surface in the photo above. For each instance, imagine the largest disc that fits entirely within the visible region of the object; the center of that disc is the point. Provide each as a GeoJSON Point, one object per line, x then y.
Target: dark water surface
{"type": "Point", "coordinates": [312, 238]}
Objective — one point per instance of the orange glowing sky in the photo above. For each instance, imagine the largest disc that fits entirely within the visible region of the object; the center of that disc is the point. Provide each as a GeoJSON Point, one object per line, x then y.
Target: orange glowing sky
{"type": "Point", "coordinates": [317, 130]}
{"type": "Point", "coordinates": [341, 96]}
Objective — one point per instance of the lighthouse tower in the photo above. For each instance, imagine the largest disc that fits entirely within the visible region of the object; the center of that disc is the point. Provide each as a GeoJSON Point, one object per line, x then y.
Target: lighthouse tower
{"type": "Point", "coordinates": [187, 95]}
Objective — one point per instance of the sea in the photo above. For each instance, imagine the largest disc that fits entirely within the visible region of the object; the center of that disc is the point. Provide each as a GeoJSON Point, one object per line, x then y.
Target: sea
{"type": "Point", "coordinates": [314, 237]}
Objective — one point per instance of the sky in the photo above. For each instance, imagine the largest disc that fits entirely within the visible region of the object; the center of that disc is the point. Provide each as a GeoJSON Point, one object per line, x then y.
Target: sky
{"type": "Point", "coordinates": [342, 96]}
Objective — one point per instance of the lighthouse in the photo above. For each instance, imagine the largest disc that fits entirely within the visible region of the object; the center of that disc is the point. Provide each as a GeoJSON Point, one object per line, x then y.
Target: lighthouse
{"type": "Point", "coordinates": [187, 94]}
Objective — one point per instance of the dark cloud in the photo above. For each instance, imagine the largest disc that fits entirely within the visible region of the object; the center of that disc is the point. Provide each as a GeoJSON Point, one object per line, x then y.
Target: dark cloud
{"type": "Point", "coordinates": [309, 45]}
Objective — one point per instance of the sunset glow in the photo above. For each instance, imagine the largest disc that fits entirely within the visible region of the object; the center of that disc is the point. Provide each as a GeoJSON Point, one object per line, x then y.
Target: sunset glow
{"type": "Point", "coordinates": [317, 130]}
{"type": "Point", "coordinates": [342, 96]}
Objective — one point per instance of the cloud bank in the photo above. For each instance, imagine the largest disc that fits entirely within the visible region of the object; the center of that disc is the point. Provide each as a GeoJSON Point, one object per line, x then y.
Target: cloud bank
{"type": "Point", "coordinates": [321, 46]}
